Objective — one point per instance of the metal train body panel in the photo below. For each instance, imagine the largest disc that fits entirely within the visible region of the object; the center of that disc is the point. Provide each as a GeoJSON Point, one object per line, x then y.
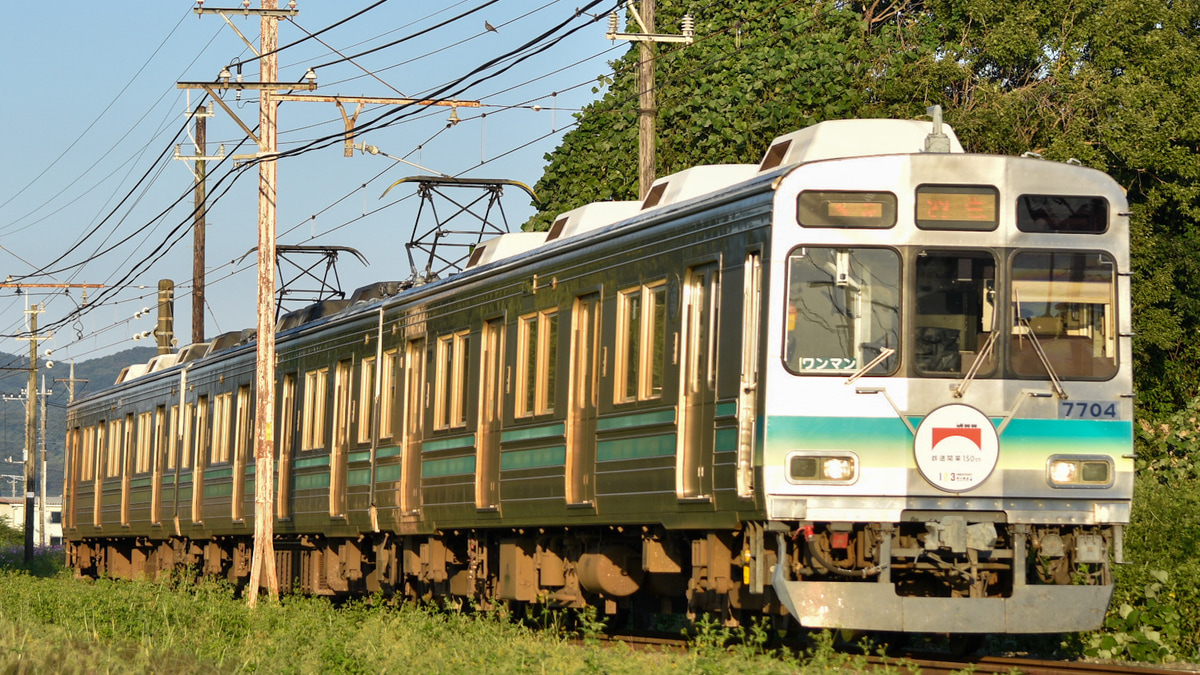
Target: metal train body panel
{"type": "Point", "coordinates": [881, 392]}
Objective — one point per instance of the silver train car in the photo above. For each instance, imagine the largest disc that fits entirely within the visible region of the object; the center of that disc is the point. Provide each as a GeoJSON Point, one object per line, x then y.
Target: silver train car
{"type": "Point", "coordinates": [874, 382]}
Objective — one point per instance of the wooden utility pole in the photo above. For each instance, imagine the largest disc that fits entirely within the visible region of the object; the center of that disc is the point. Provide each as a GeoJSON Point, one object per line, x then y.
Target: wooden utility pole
{"type": "Point", "coordinates": [31, 430]}
{"type": "Point", "coordinates": [200, 172]}
{"type": "Point", "coordinates": [647, 109]}
{"type": "Point", "coordinates": [198, 225]}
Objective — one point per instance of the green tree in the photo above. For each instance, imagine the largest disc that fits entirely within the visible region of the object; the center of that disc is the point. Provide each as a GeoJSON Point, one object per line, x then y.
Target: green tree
{"type": "Point", "coordinates": [1114, 84]}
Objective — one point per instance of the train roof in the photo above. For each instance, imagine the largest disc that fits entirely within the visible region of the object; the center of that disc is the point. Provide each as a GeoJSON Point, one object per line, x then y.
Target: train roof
{"type": "Point", "coordinates": [833, 139]}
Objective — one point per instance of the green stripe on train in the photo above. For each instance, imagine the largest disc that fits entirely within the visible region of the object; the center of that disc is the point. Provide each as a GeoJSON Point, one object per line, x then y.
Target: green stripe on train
{"type": "Point", "coordinates": [317, 481]}
{"type": "Point", "coordinates": [311, 461]}
{"type": "Point", "coordinates": [636, 448]}
{"type": "Point", "coordinates": [531, 433]}
{"type": "Point", "coordinates": [636, 420]}
{"type": "Point", "coordinates": [454, 466]}
{"type": "Point", "coordinates": [467, 441]}
{"type": "Point", "coordinates": [533, 459]}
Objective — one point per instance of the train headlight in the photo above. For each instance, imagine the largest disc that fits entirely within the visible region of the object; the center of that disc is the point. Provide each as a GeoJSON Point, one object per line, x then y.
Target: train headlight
{"type": "Point", "coordinates": [840, 468]}
{"type": "Point", "coordinates": [1079, 471]}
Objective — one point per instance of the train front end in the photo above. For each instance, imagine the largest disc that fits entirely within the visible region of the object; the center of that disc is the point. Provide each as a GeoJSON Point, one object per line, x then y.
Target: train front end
{"type": "Point", "coordinates": [947, 436]}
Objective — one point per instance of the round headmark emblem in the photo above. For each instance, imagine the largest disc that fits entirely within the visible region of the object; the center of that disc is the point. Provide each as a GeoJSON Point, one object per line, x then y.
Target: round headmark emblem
{"type": "Point", "coordinates": [956, 447]}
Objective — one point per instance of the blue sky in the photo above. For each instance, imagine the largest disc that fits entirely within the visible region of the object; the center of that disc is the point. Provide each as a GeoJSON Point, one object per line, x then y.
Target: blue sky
{"type": "Point", "coordinates": [91, 103]}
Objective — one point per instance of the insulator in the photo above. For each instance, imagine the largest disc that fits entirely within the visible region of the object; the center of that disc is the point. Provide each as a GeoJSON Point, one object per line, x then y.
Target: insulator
{"type": "Point", "coordinates": [688, 25]}
{"type": "Point", "coordinates": [612, 23]}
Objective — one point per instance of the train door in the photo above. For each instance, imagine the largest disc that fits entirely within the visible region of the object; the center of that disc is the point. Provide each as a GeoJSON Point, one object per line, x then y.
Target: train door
{"type": "Point", "coordinates": [414, 426]}
{"type": "Point", "coordinates": [72, 475]}
{"type": "Point", "coordinates": [287, 436]}
{"type": "Point", "coordinates": [341, 438]}
{"type": "Point", "coordinates": [582, 398]}
{"type": "Point", "coordinates": [698, 383]}
{"type": "Point", "coordinates": [748, 391]}
{"type": "Point", "coordinates": [491, 398]}
{"type": "Point", "coordinates": [200, 458]}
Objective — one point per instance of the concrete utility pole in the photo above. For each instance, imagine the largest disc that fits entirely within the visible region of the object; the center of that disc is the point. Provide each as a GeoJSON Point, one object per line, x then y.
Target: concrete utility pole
{"type": "Point", "coordinates": [271, 92]}
{"type": "Point", "coordinates": [263, 561]}
{"type": "Point", "coordinates": [647, 110]}
{"type": "Point", "coordinates": [31, 407]}
{"type": "Point", "coordinates": [647, 114]}
{"type": "Point", "coordinates": [68, 490]}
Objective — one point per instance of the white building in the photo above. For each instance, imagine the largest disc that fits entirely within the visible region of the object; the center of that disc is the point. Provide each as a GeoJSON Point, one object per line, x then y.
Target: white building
{"type": "Point", "coordinates": [12, 511]}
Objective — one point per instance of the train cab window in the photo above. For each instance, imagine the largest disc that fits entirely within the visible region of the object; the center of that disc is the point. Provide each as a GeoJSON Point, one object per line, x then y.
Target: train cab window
{"type": "Point", "coordinates": [955, 312]}
{"type": "Point", "coordinates": [537, 337]}
{"type": "Point", "coordinates": [366, 399]}
{"type": "Point", "coordinates": [222, 428]}
{"type": "Point", "coordinates": [843, 311]}
{"type": "Point", "coordinates": [830, 208]}
{"type": "Point", "coordinates": [1058, 213]}
{"type": "Point", "coordinates": [1063, 303]}
{"type": "Point", "coordinates": [958, 207]}
{"type": "Point", "coordinates": [641, 342]}
{"type": "Point", "coordinates": [316, 386]}
{"type": "Point", "coordinates": [450, 396]}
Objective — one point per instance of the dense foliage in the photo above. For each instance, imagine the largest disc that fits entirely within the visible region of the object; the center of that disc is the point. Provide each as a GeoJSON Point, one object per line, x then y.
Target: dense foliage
{"type": "Point", "coordinates": [1112, 83]}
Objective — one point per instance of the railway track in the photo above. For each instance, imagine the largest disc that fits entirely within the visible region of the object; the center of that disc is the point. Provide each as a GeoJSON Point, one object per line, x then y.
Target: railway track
{"type": "Point", "coordinates": [940, 665]}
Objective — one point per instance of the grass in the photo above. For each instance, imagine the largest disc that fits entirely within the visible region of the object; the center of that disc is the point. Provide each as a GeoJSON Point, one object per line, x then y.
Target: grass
{"type": "Point", "coordinates": [60, 624]}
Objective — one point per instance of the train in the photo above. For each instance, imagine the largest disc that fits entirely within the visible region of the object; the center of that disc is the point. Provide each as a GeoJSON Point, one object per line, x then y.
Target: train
{"type": "Point", "coordinates": [874, 382]}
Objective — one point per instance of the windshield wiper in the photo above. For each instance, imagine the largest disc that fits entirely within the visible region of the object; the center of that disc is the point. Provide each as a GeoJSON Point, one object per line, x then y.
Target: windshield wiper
{"type": "Point", "coordinates": [979, 361]}
{"type": "Point", "coordinates": [1055, 383]}
{"type": "Point", "coordinates": [883, 354]}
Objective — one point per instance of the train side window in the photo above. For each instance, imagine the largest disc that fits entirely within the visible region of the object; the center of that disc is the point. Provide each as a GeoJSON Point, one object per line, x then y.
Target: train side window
{"type": "Point", "coordinates": [185, 437]}
{"type": "Point", "coordinates": [141, 462]}
{"type": "Point", "coordinates": [641, 347]}
{"type": "Point", "coordinates": [450, 391]}
{"type": "Point", "coordinates": [173, 438]}
{"type": "Point", "coordinates": [955, 312]}
{"type": "Point", "coordinates": [87, 466]}
{"type": "Point", "coordinates": [222, 430]}
{"type": "Point", "coordinates": [160, 438]}
{"type": "Point", "coordinates": [114, 449]}
{"type": "Point", "coordinates": [1060, 213]}
{"type": "Point", "coordinates": [366, 399]}
{"type": "Point", "coordinates": [316, 385]}
{"type": "Point", "coordinates": [843, 311]}
{"type": "Point", "coordinates": [245, 424]}
{"type": "Point", "coordinates": [203, 432]}
{"type": "Point", "coordinates": [387, 394]}
{"type": "Point", "coordinates": [101, 449]}
{"type": "Point", "coordinates": [287, 412]}
{"type": "Point", "coordinates": [537, 338]}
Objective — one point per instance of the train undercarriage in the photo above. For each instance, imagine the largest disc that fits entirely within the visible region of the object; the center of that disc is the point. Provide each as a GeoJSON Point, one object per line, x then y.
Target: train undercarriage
{"type": "Point", "coordinates": [923, 575]}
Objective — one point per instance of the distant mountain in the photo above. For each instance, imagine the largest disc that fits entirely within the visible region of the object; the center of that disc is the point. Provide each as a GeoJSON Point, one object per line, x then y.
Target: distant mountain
{"type": "Point", "coordinates": [99, 373]}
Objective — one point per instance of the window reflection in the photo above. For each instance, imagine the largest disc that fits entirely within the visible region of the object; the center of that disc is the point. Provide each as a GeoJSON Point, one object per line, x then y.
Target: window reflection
{"type": "Point", "coordinates": [843, 309]}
